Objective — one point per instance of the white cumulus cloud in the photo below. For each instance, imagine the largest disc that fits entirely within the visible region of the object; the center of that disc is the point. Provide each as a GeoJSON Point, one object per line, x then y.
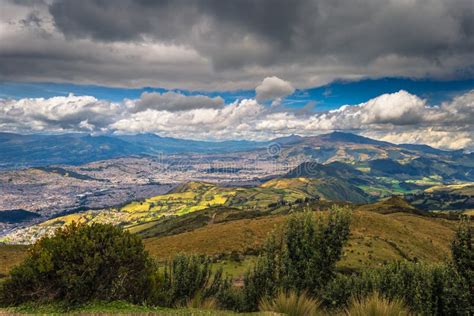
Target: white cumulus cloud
{"type": "Point", "coordinates": [58, 114]}
{"type": "Point", "coordinates": [273, 88]}
{"type": "Point", "coordinates": [398, 117]}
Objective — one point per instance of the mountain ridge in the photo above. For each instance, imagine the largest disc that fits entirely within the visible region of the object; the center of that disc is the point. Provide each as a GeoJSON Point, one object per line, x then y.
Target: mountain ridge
{"type": "Point", "coordinates": [36, 150]}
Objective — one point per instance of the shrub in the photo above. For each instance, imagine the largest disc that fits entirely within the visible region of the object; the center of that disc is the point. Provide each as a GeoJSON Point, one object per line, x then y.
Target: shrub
{"type": "Point", "coordinates": [462, 248]}
{"type": "Point", "coordinates": [300, 258]}
{"type": "Point", "coordinates": [230, 297]}
{"type": "Point", "coordinates": [339, 290]}
{"type": "Point", "coordinates": [426, 289]}
{"type": "Point", "coordinates": [82, 263]}
{"type": "Point", "coordinates": [185, 278]}
{"type": "Point", "coordinates": [262, 279]}
{"type": "Point", "coordinates": [376, 305]}
{"type": "Point", "coordinates": [291, 304]}
{"type": "Point", "coordinates": [311, 249]}
{"type": "Point", "coordinates": [463, 252]}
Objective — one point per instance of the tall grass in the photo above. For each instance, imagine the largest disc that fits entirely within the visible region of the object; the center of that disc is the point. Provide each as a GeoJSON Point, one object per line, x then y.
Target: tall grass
{"type": "Point", "coordinates": [376, 305]}
{"type": "Point", "coordinates": [291, 304]}
{"type": "Point", "coordinates": [198, 301]}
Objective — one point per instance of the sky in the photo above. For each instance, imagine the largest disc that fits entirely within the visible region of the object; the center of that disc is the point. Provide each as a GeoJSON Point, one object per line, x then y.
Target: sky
{"type": "Point", "coordinates": [395, 70]}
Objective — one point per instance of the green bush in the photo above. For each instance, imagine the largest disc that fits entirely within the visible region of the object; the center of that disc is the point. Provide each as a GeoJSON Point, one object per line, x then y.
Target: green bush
{"type": "Point", "coordinates": [82, 263]}
{"type": "Point", "coordinates": [462, 249]}
{"type": "Point", "coordinates": [312, 247]}
{"type": "Point", "coordinates": [300, 258]}
{"type": "Point", "coordinates": [463, 253]}
{"type": "Point", "coordinates": [231, 297]}
{"type": "Point", "coordinates": [426, 289]}
{"type": "Point", "coordinates": [340, 289]}
{"type": "Point", "coordinates": [262, 280]}
{"type": "Point", "coordinates": [185, 279]}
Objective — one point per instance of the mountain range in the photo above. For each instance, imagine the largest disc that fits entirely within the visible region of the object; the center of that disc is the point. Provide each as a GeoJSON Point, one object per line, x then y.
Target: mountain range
{"type": "Point", "coordinates": [21, 151]}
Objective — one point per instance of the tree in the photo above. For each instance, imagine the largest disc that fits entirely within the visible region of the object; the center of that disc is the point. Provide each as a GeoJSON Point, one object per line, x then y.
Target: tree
{"type": "Point", "coordinates": [462, 249]}
{"type": "Point", "coordinates": [426, 289]}
{"type": "Point", "coordinates": [311, 249]}
{"type": "Point", "coordinates": [302, 257]}
{"type": "Point", "coordinates": [187, 278]}
{"type": "Point", "coordinates": [82, 263]}
{"type": "Point", "coordinates": [463, 252]}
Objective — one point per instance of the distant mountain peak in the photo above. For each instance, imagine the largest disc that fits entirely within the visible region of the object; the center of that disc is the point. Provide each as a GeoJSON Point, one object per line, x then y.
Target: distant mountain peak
{"type": "Point", "coordinates": [338, 136]}
{"type": "Point", "coordinates": [293, 138]}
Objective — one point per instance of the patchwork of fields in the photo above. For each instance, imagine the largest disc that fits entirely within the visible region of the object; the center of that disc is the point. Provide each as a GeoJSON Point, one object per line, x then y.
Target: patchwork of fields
{"type": "Point", "coordinates": [196, 196]}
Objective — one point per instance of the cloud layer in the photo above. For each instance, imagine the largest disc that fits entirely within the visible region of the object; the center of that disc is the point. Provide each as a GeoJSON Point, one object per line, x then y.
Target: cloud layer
{"type": "Point", "coordinates": [172, 101]}
{"type": "Point", "coordinates": [219, 45]}
{"type": "Point", "coordinates": [397, 117]}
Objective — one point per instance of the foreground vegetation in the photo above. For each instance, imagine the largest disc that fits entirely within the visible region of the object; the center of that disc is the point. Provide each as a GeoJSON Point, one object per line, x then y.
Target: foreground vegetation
{"type": "Point", "coordinates": [295, 273]}
{"type": "Point", "coordinates": [106, 308]}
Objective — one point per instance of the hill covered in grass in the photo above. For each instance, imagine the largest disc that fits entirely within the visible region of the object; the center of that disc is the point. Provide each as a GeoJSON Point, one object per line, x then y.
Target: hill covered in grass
{"type": "Point", "coordinates": [448, 198]}
{"type": "Point", "coordinates": [10, 256]}
{"type": "Point", "coordinates": [328, 188]}
{"type": "Point", "coordinates": [394, 204]}
{"type": "Point", "coordinates": [466, 189]}
{"type": "Point", "coordinates": [375, 239]}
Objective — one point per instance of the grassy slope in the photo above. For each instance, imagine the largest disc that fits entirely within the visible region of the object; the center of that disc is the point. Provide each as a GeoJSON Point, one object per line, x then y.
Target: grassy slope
{"type": "Point", "coordinates": [462, 189]}
{"type": "Point", "coordinates": [393, 204]}
{"type": "Point", "coordinates": [375, 238]}
{"type": "Point", "coordinates": [11, 255]}
{"type": "Point", "coordinates": [241, 236]}
{"type": "Point", "coordinates": [326, 188]}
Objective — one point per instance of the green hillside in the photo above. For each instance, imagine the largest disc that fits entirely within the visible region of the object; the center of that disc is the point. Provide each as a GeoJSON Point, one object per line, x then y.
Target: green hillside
{"type": "Point", "coordinates": [447, 198]}
{"type": "Point", "coordinates": [11, 255]}
{"type": "Point", "coordinates": [375, 238]}
{"type": "Point", "coordinates": [394, 204]}
{"type": "Point", "coordinates": [466, 189]}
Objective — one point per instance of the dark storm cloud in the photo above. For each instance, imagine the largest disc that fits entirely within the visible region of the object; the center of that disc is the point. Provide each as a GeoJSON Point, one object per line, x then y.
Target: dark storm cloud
{"type": "Point", "coordinates": [32, 20]}
{"type": "Point", "coordinates": [216, 44]}
{"type": "Point", "coordinates": [130, 20]}
{"type": "Point", "coordinates": [355, 31]}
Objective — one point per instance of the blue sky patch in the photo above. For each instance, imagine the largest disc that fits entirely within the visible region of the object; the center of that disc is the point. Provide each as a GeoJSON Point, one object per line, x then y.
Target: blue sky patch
{"type": "Point", "coordinates": [326, 97]}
